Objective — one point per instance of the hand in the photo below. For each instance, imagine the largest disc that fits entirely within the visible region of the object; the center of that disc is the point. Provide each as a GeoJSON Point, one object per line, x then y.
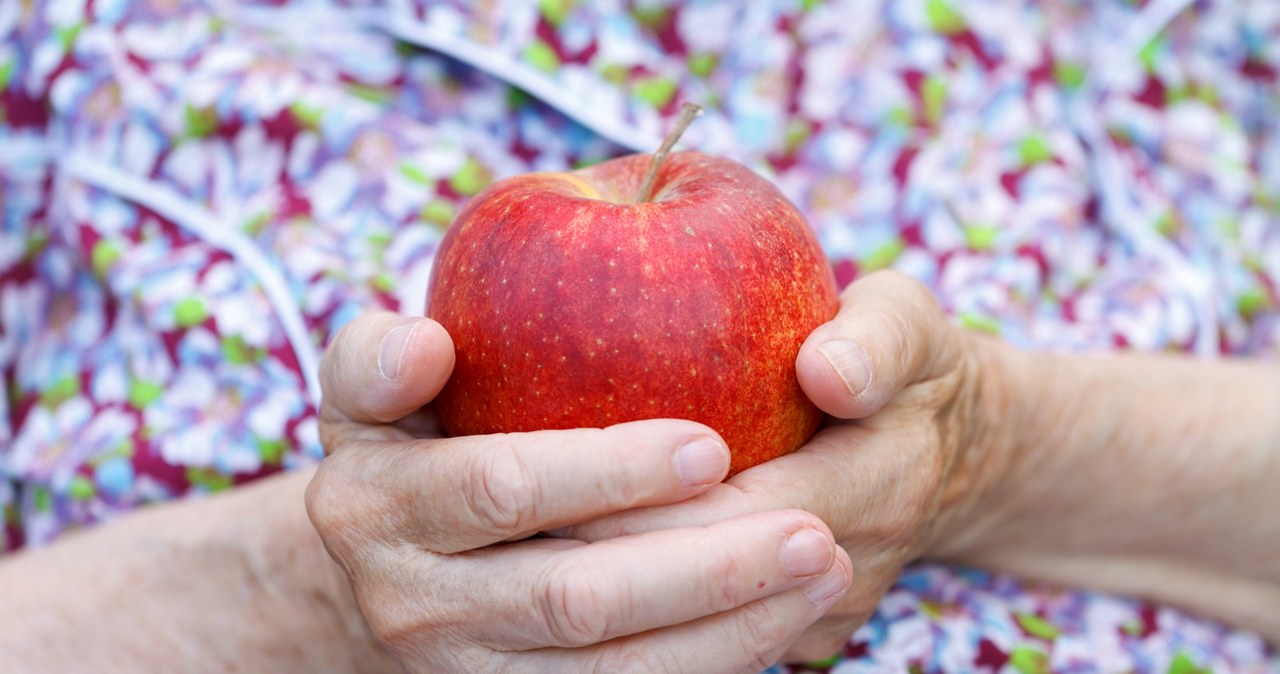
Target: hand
{"type": "Point", "coordinates": [433, 533]}
{"type": "Point", "coordinates": [896, 464]}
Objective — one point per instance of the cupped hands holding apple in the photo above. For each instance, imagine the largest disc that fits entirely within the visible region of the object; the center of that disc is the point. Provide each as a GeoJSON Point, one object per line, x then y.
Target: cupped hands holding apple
{"type": "Point", "coordinates": [657, 565]}
{"type": "Point", "coordinates": [433, 533]}
{"type": "Point", "coordinates": [646, 336]}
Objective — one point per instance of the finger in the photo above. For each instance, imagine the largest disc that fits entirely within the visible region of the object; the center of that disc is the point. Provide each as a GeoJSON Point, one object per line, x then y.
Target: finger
{"type": "Point", "coordinates": [888, 333]}
{"type": "Point", "coordinates": [381, 367]}
{"type": "Point", "coordinates": [597, 592]}
{"type": "Point", "coordinates": [873, 490]}
{"type": "Point", "coordinates": [556, 591]}
{"type": "Point", "coordinates": [463, 493]}
{"type": "Point", "coordinates": [748, 638]}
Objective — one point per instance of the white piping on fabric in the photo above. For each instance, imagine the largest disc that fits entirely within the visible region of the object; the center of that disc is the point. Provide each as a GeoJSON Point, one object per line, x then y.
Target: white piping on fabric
{"type": "Point", "coordinates": [208, 228]}
{"type": "Point", "coordinates": [1109, 171]}
{"type": "Point", "coordinates": [1150, 22]}
{"type": "Point", "coordinates": [405, 28]}
{"type": "Point", "coordinates": [516, 73]}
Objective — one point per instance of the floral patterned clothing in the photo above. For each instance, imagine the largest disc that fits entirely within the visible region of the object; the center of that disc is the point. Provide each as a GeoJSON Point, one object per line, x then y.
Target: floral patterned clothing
{"type": "Point", "coordinates": [196, 194]}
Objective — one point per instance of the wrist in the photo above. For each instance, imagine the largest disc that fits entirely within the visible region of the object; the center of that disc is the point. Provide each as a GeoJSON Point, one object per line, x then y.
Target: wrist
{"type": "Point", "coordinates": [292, 574]}
{"type": "Point", "coordinates": [994, 400]}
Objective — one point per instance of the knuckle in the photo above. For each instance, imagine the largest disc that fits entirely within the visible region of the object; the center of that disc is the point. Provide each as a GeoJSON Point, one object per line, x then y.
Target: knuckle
{"type": "Point", "coordinates": [761, 631]}
{"type": "Point", "coordinates": [727, 592]}
{"type": "Point", "coordinates": [332, 505]}
{"type": "Point", "coordinates": [350, 519]}
{"type": "Point", "coordinates": [324, 499]}
{"type": "Point", "coordinates": [576, 606]}
{"type": "Point", "coordinates": [500, 490]}
{"type": "Point", "coordinates": [398, 627]}
{"type": "Point", "coordinates": [393, 591]}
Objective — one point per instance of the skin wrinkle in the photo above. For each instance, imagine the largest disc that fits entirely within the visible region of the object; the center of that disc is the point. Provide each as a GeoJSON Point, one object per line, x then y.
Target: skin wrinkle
{"type": "Point", "coordinates": [761, 627]}
{"type": "Point", "coordinates": [423, 596]}
{"type": "Point", "coordinates": [996, 414]}
{"type": "Point", "coordinates": [1104, 478]}
{"type": "Point", "coordinates": [974, 456]}
{"type": "Point", "coordinates": [572, 605]}
{"type": "Point", "coordinates": [1119, 503]}
{"type": "Point", "coordinates": [385, 516]}
{"type": "Point", "coordinates": [1032, 461]}
{"type": "Point", "coordinates": [881, 519]}
{"type": "Point", "coordinates": [150, 572]}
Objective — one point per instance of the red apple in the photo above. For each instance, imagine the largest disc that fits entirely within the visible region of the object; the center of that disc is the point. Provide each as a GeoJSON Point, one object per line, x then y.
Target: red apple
{"type": "Point", "coordinates": [572, 305]}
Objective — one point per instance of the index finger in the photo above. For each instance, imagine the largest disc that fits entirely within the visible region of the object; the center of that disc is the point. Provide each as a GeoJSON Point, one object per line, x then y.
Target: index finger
{"type": "Point", "coordinates": [457, 494]}
{"type": "Point", "coordinates": [866, 486]}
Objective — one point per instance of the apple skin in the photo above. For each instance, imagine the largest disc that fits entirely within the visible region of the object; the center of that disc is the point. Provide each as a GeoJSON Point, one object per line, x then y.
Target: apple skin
{"type": "Point", "coordinates": [571, 307]}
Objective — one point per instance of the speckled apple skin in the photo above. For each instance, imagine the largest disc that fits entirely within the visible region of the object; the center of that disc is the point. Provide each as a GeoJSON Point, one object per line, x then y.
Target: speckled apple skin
{"type": "Point", "coordinates": [571, 308]}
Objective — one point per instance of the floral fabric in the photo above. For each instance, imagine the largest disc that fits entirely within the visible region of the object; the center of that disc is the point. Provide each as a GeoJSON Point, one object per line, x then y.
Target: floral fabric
{"type": "Point", "coordinates": [197, 194]}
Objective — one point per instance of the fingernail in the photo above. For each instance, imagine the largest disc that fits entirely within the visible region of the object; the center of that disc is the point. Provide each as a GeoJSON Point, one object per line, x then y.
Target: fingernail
{"type": "Point", "coordinates": [850, 362]}
{"type": "Point", "coordinates": [831, 583]}
{"type": "Point", "coordinates": [806, 553]}
{"type": "Point", "coordinates": [391, 351]}
{"type": "Point", "coordinates": [701, 462]}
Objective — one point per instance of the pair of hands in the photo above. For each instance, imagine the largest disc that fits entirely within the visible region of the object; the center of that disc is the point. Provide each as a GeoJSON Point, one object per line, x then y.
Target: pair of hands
{"type": "Point", "coordinates": [655, 563]}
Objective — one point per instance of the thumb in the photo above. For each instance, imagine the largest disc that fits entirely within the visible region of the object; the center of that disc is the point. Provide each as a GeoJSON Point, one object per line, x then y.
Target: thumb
{"type": "Point", "coordinates": [381, 367]}
{"type": "Point", "coordinates": [888, 334]}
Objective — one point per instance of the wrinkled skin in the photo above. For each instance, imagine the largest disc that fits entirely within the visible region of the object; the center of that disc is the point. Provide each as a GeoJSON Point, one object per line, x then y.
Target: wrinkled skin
{"type": "Point", "coordinates": [654, 564]}
{"type": "Point", "coordinates": [901, 461]}
{"type": "Point", "coordinates": [421, 527]}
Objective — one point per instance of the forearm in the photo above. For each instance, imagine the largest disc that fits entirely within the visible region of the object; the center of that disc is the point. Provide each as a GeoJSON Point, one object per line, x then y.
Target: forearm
{"type": "Point", "coordinates": [1157, 476]}
{"type": "Point", "coordinates": [235, 582]}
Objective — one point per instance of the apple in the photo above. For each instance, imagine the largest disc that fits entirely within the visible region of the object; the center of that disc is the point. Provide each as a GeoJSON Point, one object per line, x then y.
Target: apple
{"type": "Point", "coordinates": [599, 296]}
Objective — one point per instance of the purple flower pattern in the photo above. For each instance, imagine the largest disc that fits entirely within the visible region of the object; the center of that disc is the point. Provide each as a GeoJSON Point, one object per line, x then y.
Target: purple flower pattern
{"type": "Point", "coordinates": [196, 195]}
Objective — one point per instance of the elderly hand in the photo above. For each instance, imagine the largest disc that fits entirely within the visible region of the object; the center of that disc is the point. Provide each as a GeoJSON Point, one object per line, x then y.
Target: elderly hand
{"type": "Point", "coordinates": [896, 465]}
{"type": "Point", "coordinates": [433, 533]}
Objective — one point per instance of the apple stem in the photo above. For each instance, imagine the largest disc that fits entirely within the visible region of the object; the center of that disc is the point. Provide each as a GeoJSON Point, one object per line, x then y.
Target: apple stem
{"type": "Point", "coordinates": [688, 112]}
